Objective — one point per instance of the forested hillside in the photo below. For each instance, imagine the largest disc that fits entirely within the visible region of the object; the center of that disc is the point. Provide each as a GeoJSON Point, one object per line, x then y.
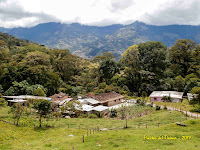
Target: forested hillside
{"type": "Point", "coordinates": [29, 68]}
{"type": "Point", "coordinates": [89, 41]}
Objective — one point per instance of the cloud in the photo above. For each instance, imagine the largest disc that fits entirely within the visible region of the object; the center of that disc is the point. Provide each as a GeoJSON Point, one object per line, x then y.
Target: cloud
{"type": "Point", "coordinates": [119, 5]}
{"type": "Point", "coordinates": [181, 12]}
{"type": "Point", "coordinates": [13, 15]}
{"type": "Point", "coordinates": [27, 13]}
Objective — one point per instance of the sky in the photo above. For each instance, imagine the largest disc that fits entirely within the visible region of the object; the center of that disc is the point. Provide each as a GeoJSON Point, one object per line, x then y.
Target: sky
{"type": "Point", "coordinates": [28, 13]}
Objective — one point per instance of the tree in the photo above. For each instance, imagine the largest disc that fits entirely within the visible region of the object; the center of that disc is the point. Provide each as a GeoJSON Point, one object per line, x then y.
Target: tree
{"type": "Point", "coordinates": [37, 58]}
{"type": "Point", "coordinates": [180, 56]}
{"type": "Point", "coordinates": [191, 81]}
{"type": "Point", "coordinates": [105, 56]}
{"type": "Point", "coordinates": [144, 95]}
{"type": "Point", "coordinates": [43, 107]}
{"type": "Point", "coordinates": [39, 92]}
{"type": "Point", "coordinates": [152, 57]}
{"type": "Point", "coordinates": [3, 102]}
{"type": "Point", "coordinates": [108, 69]}
{"type": "Point", "coordinates": [124, 112]}
{"type": "Point", "coordinates": [17, 110]}
{"type": "Point", "coordinates": [1, 89]}
{"type": "Point", "coordinates": [179, 83]}
{"type": "Point", "coordinates": [130, 59]}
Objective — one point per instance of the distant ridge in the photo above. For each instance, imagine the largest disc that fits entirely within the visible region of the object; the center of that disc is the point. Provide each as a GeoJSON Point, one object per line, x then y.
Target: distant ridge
{"type": "Point", "coordinates": [89, 41]}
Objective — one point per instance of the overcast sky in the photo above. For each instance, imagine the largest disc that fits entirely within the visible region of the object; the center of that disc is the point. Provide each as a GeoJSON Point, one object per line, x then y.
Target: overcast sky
{"type": "Point", "coordinates": [27, 13]}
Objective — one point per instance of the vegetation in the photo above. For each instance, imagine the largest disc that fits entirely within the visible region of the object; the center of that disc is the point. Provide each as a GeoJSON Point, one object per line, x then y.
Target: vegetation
{"type": "Point", "coordinates": [25, 136]}
{"type": "Point", "coordinates": [32, 69]}
{"type": "Point", "coordinates": [43, 108]}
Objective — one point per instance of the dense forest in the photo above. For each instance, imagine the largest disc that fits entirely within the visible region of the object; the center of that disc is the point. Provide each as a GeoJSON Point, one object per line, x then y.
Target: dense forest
{"type": "Point", "coordinates": [33, 69]}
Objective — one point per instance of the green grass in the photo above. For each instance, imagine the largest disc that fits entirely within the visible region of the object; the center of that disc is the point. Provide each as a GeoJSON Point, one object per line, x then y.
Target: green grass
{"type": "Point", "coordinates": [23, 138]}
{"type": "Point", "coordinates": [184, 105]}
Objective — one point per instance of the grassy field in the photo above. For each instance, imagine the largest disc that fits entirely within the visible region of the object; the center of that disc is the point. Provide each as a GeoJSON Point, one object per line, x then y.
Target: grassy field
{"type": "Point", "coordinates": [57, 137]}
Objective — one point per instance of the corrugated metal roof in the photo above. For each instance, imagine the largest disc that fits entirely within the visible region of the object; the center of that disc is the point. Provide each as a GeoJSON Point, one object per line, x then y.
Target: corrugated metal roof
{"type": "Point", "coordinates": [86, 107]}
{"type": "Point", "coordinates": [28, 97]}
{"type": "Point", "coordinates": [64, 101]}
{"type": "Point", "coordinates": [17, 100]}
{"type": "Point", "coordinates": [88, 100]}
{"type": "Point", "coordinates": [172, 94]}
{"type": "Point", "coordinates": [100, 108]}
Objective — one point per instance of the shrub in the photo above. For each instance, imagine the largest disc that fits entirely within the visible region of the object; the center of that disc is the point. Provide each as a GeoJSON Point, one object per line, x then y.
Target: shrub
{"type": "Point", "coordinates": [3, 102]}
{"type": "Point", "coordinates": [151, 104]}
{"type": "Point", "coordinates": [165, 107]}
{"type": "Point", "coordinates": [157, 107]}
{"type": "Point", "coordinates": [113, 113]}
{"type": "Point", "coordinates": [92, 116]}
{"type": "Point", "coordinates": [83, 116]}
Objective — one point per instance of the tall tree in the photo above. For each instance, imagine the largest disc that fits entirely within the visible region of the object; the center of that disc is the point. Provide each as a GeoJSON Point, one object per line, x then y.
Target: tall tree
{"type": "Point", "coordinates": [180, 56]}
{"type": "Point", "coordinates": [108, 69]}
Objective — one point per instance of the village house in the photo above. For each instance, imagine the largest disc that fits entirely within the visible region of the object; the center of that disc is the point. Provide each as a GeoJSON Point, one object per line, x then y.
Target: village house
{"type": "Point", "coordinates": [23, 98]}
{"type": "Point", "coordinates": [158, 95]}
{"type": "Point", "coordinates": [60, 99]}
{"type": "Point", "coordinates": [190, 96]}
{"type": "Point", "coordinates": [89, 101]}
{"type": "Point", "coordinates": [109, 99]}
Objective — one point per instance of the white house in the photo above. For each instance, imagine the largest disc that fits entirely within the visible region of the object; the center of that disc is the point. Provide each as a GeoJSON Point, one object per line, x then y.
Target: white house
{"type": "Point", "coordinates": [174, 95]}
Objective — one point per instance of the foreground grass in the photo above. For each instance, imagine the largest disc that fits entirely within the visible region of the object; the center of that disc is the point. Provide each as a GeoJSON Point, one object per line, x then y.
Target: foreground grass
{"type": "Point", "coordinates": [23, 138]}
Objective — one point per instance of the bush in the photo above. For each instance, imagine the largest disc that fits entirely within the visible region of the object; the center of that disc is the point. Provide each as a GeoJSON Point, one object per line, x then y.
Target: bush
{"type": "Point", "coordinates": [92, 116]}
{"type": "Point", "coordinates": [157, 107]}
{"type": "Point", "coordinates": [113, 113]}
{"type": "Point", "coordinates": [196, 109]}
{"type": "Point", "coordinates": [83, 116]}
{"type": "Point", "coordinates": [165, 107]}
{"type": "Point", "coordinates": [3, 102]}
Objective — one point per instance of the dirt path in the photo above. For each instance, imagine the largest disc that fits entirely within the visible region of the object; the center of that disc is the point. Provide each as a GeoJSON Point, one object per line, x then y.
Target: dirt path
{"type": "Point", "coordinates": [195, 115]}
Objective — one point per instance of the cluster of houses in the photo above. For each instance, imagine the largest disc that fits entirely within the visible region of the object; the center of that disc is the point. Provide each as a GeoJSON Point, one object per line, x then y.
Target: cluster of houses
{"type": "Point", "coordinates": [90, 104]}
{"type": "Point", "coordinates": [99, 103]}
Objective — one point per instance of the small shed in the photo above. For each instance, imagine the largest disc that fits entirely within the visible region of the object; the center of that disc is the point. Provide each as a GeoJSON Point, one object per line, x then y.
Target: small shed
{"type": "Point", "coordinates": [174, 95]}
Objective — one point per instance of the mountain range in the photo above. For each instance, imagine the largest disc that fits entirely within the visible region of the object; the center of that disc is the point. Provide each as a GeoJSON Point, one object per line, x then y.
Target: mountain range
{"type": "Point", "coordinates": [89, 41]}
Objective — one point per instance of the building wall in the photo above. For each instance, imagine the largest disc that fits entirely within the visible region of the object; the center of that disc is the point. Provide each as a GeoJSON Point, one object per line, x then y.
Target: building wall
{"type": "Point", "coordinates": [114, 102]}
{"type": "Point", "coordinates": [159, 99]}
{"type": "Point", "coordinates": [156, 99]}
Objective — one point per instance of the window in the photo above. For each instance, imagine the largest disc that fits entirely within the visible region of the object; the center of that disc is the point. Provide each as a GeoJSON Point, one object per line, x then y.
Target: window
{"type": "Point", "coordinates": [155, 98]}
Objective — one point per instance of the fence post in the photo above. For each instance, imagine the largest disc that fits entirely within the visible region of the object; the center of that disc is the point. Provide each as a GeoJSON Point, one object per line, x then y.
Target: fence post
{"type": "Point", "coordinates": [158, 124]}
{"type": "Point", "coordinates": [146, 126]}
{"type": "Point", "coordinates": [83, 139]}
{"type": "Point", "coordinates": [186, 115]}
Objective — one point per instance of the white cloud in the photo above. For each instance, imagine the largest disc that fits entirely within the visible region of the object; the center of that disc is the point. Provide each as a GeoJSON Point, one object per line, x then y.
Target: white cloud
{"type": "Point", "coordinates": [99, 12]}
